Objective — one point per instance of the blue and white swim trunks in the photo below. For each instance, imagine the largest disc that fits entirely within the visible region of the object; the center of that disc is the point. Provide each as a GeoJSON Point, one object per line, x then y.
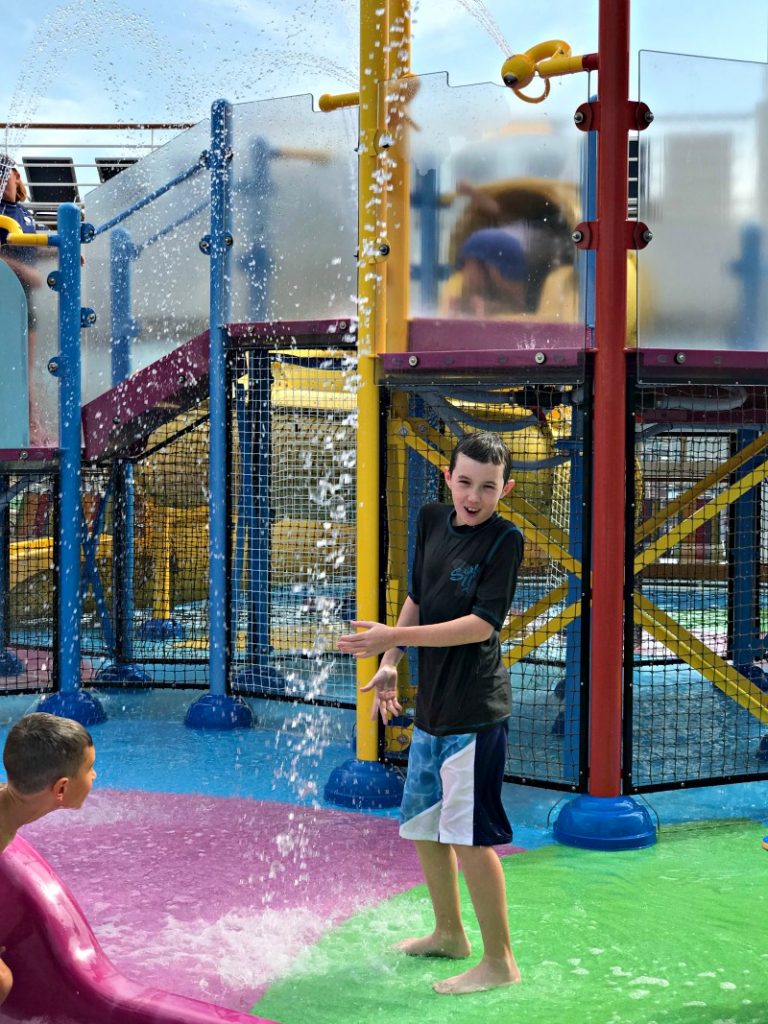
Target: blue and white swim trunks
{"type": "Point", "coordinates": [453, 788]}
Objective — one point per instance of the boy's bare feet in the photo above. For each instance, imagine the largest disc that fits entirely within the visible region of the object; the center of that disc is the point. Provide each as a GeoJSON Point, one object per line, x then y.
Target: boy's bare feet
{"type": "Point", "coordinates": [486, 975]}
{"type": "Point", "coordinates": [454, 947]}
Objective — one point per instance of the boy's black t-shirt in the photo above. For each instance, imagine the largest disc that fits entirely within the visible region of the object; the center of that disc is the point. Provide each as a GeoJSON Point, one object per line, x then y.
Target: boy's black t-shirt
{"type": "Point", "coordinates": [463, 570]}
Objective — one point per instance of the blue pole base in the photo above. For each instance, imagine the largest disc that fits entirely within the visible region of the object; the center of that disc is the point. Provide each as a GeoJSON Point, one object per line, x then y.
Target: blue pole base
{"type": "Point", "coordinates": [605, 823]}
{"type": "Point", "coordinates": [219, 711]}
{"type": "Point", "coordinates": [255, 678]}
{"type": "Point", "coordinates": [160, 629]}
{"type": "Point", "coordinates": [78, 704]}
{"type": "Point", "coordinates": [364, 785]}
{"type": "Point", "coordinates": [10, 665]}
{"type": "Point", "coordinates": [122, 675]}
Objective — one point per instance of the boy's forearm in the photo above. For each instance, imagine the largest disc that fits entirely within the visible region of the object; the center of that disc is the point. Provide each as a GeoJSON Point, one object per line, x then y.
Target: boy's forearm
{"type": "Point", "coordinates": [469, 629]}
{"type": "Point", "coordinates": [391, 641]}
{"type": "Point", "coordinates": [409, 616]}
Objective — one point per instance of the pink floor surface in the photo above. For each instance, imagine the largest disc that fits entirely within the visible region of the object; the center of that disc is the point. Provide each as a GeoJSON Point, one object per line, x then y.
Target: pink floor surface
{"type": "Point", "coordinates": [37, 671]}
{"type": "Point", "coordinates": [214, 897]}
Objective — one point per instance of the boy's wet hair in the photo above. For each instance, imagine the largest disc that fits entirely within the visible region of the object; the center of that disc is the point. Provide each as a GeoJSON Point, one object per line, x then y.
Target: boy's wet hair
{"type": "Point", "coordinates": [41, 749]}
{"type": "Point", "coordinates": [484, 446]}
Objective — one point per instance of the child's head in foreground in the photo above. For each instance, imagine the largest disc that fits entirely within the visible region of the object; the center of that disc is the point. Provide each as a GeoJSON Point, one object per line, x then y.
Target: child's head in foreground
{"type": "Point", "coordinates": [46, 753]}
{"type": "Point", "coordinates": [484, 446]}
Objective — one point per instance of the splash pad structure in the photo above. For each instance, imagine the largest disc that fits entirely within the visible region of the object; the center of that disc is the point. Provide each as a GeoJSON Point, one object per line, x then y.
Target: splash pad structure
{"type": "Point", "coordinates": [240, 458]}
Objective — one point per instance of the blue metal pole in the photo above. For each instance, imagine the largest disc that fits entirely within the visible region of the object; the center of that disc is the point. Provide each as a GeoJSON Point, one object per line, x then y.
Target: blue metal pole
{"type": "Point", "coordinates": [257, 675]}
{"type": "Point", "coordinates": [572, 695]}
{"type": "Point", "coordinates": [122, 253]}
{"type": "Point", "coordinates": [70, 701]}
{"type": "Point", "coordinates": [218, 710]}
{"type": "Point", "coordinates": [69, 433]}
{"type": "Point", "coordinates": [124, 330]}
{"type": "Point", "coordinates": [587, 257]}
{"type": "Point", "coordinates": [220, 256]}
{"type": "Point", "coordinates": [744, 541]}
{"type": "Point", "coordinates": [256, 263]}
{"type": "Point", "coordinates": [258, 541]}
{"type": "Point", "coordinates": [254, 457]}
{"type": "Point", "coordinates": [427, 200]}
{"type": "Point", "coordinates": [244, 504]}
{"type": "Point", "coordinates": [750, 268]}
{"type": "Point", "coordinates": [151, 197]}
{"type": "Point", "coordinates": [568, 722]}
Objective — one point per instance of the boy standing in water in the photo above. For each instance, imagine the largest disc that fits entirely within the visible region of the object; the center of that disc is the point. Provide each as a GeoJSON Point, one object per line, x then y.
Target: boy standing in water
{"type": "Point", "coordinates": [463, 580]}
{"type": "Point", "coordinates": [48, 764]}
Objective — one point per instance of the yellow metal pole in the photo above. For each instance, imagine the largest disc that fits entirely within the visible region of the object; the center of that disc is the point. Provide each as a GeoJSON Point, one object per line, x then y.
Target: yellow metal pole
{"type": "Point", "coordinates": [396, 164]}
{"type": "Point", "coordinates": [371, 298]}
{"type": "Point", "coordinates": [161, 579]}
{"type": "Point", "coordinates": [695, 653]}
{"type": "Point", "coordinates": [397, 160]}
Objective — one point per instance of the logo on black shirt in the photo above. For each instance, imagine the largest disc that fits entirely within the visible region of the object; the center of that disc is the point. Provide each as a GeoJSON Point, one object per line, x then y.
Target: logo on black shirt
{"type": "Point", "coordinates": [465, 576]}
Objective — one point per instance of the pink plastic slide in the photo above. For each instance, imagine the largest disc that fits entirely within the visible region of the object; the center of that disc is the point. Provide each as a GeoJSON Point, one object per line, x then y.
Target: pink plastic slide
{"type": "Point", "coordinates": [60, 972]}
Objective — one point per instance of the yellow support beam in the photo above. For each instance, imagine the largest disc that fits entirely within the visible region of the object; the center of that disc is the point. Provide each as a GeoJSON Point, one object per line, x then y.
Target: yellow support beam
{"type": "Point", "coordinates": [664, 514]}
{"type": "Point", "coordinates": [703, 659]}
{"type": "Point", "coordinates": [517, 623]}
{"type": "Point", "coordinates": [539, 636]}
{"type": "Point", "coordinates": [720, 502]}
{"type": "Point", "coordinates": [537, 527]}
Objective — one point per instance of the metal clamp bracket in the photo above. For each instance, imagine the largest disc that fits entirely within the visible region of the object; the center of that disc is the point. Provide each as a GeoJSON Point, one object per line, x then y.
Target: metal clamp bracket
{"type": "Point", "coordinates": [638, 116]}
{"type": "Point", "coordinates": [637, 235]}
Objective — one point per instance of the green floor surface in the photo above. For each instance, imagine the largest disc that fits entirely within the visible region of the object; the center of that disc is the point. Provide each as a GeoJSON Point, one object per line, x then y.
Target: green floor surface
{"type": "Point", "coordinates": [675, 934]}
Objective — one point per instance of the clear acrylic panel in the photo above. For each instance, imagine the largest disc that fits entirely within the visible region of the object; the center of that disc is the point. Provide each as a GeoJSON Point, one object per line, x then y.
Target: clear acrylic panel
{"type": "Point", "coordinates": [496, 186]}
{"type": "Point", "coordinates": [295, 211]}
{"type": "Point", "coordinates": [43, 344]}
{"type": "Point", "coordinates": [168, 274]}
{"type": "Point", "coordinates": [293, 222]}
{"type": "Point", "coordinates": [703, 193]}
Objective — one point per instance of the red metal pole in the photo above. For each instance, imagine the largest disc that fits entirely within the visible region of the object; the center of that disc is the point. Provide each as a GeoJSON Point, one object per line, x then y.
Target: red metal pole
{"type": "Point", "coordinates": [609, 468]}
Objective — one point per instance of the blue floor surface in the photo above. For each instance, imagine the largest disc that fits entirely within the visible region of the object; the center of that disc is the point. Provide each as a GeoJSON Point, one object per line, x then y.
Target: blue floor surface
{"type": "Point", "coordinates": [289, 756]}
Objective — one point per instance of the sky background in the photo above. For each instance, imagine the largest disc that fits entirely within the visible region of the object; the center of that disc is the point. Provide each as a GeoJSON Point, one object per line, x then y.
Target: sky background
{"type": "Point", "coordinates": [131, 60]}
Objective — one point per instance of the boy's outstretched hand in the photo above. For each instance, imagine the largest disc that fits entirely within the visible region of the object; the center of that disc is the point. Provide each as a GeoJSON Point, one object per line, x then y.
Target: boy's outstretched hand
{"type": "Point", "coordinates": [384, 685]}
{"type": "Point", "coordinates": [375, 639]}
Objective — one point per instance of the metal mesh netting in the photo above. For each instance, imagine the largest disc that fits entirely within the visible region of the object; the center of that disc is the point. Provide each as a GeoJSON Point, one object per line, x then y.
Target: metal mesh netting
{"type": "Point", "coordinates": [293, 497]}
{"type": "Point", "coordinates": [697, 706]}
{"type": "Point", "coordinates": [145, 560]}
{"type": "Point", "coordinates": [170, 484]}
{"type": "Point", "coordinates": [27, 590]}
{"type": "Point", "coordinates": [542, 637]}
